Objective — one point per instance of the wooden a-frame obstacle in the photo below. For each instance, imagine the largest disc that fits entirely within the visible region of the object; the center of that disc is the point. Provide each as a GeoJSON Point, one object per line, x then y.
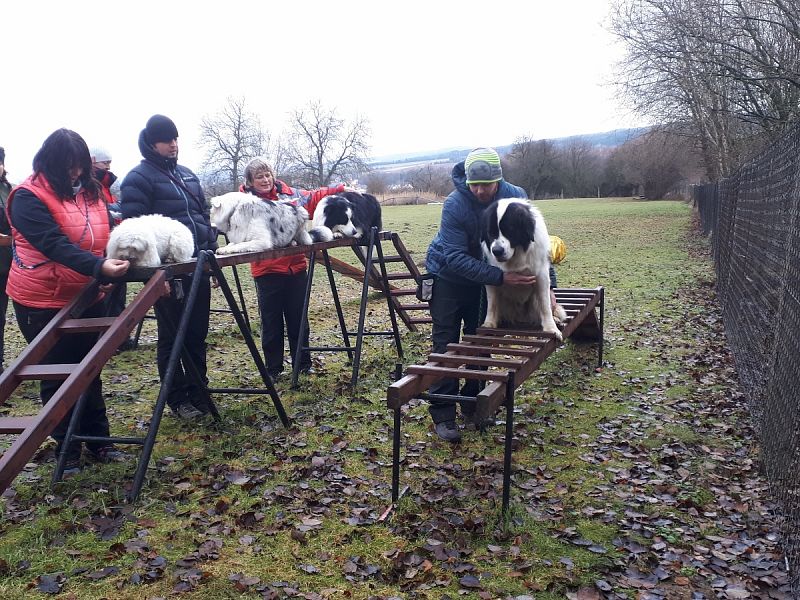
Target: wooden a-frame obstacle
{"type": "Point", "coordinates": [31, 431]}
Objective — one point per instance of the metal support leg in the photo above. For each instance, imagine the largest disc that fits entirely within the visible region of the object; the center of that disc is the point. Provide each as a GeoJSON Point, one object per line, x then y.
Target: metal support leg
{"type": "Point", "coordinates": [241, 298]}
{"type": "Point", "coordinates": [509, 442]}
{"type": "Point", "coordinates": [601, 303]}
{"type": "Point", "coordinates": [61, 461]}
{"type": "Point", "coordinates": [248, 338]}
{"type": "Point", "coordinates": [301, 331]}
{"type": "Point", "coordinates": [166, 384]}
{"type": "Point", "coordinates": [398, 373]}
{"type": "Point", "coordinates": [337, 303]}
{"type": "Point", "coordinates": [362, 311]}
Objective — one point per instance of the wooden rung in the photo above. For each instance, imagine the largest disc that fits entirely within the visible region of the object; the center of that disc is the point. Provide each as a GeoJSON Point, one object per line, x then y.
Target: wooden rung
{"type": "Point", "coordinates": [414, 306]}
{"type": "Point", "coordinates": [396, 276]}
{"type": "Point", "coordinates": [568, 305]}
{"type": "Point", "coordinates": [525, 333]}
{"type": "Point", "coordinates": [420, 321]}
{"type": "Point", "coordinates": [87, 325]}
{"type": "Point", "coordinates": [393, 258]}
{"type": "Point", "coordinates": [15, 424]}
{"type": "Point", "coordinates": [460, 373]}
{"type": "Point", "coordinates": [406, 292]}
{"type": "Point", "coordinates": [477, 361]}
{"type": "Point", "coordinates": [475, 349]}
{"type": "Point", "coordinates": [42, 372]}
{"type": "Point", "coordinates": [489, 340]}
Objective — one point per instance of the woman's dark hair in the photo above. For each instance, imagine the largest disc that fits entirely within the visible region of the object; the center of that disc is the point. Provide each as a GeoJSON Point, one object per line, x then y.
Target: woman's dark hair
{"type": "Point", "coordinates": [61, 151]}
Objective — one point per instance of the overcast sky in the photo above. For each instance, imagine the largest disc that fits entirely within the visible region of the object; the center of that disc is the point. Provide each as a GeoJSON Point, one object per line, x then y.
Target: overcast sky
{"type": "Point", "coordinates": [427, 74]}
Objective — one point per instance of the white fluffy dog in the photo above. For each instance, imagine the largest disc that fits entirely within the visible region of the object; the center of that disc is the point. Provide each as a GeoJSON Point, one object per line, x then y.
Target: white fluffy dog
{"type": "Point", "coordinates": [514, 238]}
{"type": "Point", "coordinates": [150, 241]}
{"type": "Point", "coordinates": [255, 225]}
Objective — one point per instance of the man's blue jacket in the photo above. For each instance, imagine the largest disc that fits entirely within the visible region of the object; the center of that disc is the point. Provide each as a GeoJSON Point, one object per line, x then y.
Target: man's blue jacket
{"type": "Point", "coordinates": [455, 252]}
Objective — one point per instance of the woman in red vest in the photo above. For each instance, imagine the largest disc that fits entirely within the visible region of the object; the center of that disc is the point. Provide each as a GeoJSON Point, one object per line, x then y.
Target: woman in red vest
{"type": "Point", "coordinates": [59, 227]}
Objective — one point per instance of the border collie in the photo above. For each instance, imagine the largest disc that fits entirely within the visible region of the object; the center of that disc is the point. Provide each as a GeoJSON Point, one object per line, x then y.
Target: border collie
{"type": "Point", "coordinates": [514, 238]}
{"type": "Point", "coordinates": [348, 214]}
{"type": "Point", "coordinates": [255, 225]}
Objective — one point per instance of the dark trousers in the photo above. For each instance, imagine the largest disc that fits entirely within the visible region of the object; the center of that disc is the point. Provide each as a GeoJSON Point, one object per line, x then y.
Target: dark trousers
{"type": "Point", "coordinates": [69, 349]}
{"type": "Point", "coordinates": [116, 299]}
{"type": "Point", "coordinates": [3, 310]}
{"type": "Point", "coordinates": [451, 306]}
{"type": "Point", "coordinates": [280, 298]}
{"type": "Point", "coordinates": [169, 311]}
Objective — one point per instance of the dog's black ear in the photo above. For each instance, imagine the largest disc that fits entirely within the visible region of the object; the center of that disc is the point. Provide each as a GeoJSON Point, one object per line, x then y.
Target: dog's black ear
{"type": "Point", "coordinates": [530, 227]}
{"type": "Point", "coordinates": [488, 223]}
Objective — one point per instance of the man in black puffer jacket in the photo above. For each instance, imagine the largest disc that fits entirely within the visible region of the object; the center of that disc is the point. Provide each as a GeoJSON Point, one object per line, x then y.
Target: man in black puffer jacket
{"type": "Point", "coordinates": [159, 185]}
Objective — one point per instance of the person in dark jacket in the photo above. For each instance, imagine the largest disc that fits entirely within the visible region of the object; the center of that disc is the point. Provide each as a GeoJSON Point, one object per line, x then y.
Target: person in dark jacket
{"type": "Point", "coordinates": [281, 282]}
{"type": "Point", "coordinates": [456, 261]}
{"type": "Point", "coordinates": [60, 227]}
{"type": "Point", "coordinates": [158, 184]}
{"type": "Point", "coordinates": [5, 252]}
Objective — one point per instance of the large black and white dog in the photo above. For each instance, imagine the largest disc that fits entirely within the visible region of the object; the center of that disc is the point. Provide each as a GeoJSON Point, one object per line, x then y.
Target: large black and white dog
{"type": "Point", "coordinates": [514, 237]}
{"type": "Point", "coordinates": [348, 214]}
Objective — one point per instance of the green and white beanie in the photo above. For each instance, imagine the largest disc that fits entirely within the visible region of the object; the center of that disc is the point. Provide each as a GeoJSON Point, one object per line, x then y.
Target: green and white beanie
{"type": "Point", "coordinates": [483, 166]}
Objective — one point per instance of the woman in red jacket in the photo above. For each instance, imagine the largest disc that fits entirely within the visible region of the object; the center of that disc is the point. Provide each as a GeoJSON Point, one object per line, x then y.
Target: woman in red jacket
{"type": "Point", "coordinates": [59, 228]}
{"type": "Point", "coordinates": [281, 282]}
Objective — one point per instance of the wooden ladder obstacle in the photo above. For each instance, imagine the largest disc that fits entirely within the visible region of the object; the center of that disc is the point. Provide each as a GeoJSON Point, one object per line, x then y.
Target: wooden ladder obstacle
{"type": "Point", "coordinates": [501, 358]}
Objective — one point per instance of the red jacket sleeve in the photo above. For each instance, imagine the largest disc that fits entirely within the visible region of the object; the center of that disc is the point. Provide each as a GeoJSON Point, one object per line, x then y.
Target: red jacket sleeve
{"type": "Point", "coordinates": [316, 195]}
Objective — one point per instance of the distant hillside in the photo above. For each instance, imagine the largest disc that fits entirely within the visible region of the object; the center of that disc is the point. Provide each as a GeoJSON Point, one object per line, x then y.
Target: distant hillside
{"type": "Point", "coordinates": [607, 139]}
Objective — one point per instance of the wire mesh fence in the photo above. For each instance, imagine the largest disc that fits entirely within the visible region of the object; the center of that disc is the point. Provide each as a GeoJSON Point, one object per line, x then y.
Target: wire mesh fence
{"type": "Point", "coordinates": [754, 220]}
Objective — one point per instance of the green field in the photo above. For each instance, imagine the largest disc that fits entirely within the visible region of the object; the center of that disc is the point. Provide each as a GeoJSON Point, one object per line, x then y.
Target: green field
{"type": "Point", "coordinates": [618, 471]}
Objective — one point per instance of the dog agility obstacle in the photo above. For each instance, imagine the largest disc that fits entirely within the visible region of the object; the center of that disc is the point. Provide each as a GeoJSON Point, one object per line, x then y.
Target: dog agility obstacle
{"type": "Point", "coordinates": [31, 431]}
{"type": "Point", "coordinates": [501, 358]}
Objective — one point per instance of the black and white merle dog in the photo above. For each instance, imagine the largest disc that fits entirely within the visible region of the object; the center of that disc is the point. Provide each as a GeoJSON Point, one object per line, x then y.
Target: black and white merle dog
{"type": "Point", "coordinates": [348, 214]}
{"type": "Point", "coordinates": [514, 238]}
{"type": "Point", "coordinates": [256, 225]}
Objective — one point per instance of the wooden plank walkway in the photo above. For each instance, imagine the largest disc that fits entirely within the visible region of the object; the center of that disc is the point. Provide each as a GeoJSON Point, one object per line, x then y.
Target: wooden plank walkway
{"type": "Point", "coordinates": [503, 359]}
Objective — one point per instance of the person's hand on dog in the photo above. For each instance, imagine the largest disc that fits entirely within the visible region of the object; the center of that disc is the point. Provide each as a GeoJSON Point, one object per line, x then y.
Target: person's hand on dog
{"type": "Point", "coordinates": [518, 279]}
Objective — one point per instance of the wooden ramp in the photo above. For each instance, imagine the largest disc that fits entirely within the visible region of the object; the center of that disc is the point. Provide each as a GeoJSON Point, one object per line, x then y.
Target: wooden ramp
{"type": "Point", "coordinates": [503, 359]}
{"type": "Point", "coordinates": [402, 283]}
{"type": "Point", "coordinates": [33, 430]}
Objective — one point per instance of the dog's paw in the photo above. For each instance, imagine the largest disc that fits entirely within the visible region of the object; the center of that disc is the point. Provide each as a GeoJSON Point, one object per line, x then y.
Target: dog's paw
{"type": "Point", "coordinates": [226, 250]}
{"type": "Point", "coordinates": [338, 235]}
{"type": "Point", "coordinates": [556, 333]}
{"type": "Point", "coordinates": [560, 315]}
{"type": "Point", "coordinates": [489, 324]}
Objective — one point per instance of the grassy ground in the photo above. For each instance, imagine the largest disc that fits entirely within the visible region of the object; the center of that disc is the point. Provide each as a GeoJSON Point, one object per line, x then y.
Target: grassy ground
{"type": "Point", "coordinates": [628, 480]}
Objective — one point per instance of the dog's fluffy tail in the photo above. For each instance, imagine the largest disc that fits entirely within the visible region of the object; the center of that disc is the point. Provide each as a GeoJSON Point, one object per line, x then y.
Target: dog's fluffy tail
{"type": "Point", "coordinates": [321, 234]}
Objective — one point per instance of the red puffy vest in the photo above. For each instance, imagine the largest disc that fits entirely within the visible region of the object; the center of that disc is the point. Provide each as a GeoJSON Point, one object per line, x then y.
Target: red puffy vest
{"type": "Point", "coordinates": [50, 284]}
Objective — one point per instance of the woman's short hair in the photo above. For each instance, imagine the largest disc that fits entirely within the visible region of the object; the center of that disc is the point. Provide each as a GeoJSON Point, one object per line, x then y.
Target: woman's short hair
{"type": "Point", "coordinates": [254, 167]}
{"type": "Point", "coordinates": [61, 151]}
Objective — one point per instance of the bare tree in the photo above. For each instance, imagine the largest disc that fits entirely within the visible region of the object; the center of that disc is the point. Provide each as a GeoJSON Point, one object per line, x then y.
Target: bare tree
{"type": "Point", "coordinates": [321, 146]}
{"type": "Point", "coordinates": [231, 138]}
{"type": "Point", "coordinates": [431, 178]}
{"type": "Point", "coordinates": [725, 72]}
{"type": "Point", "coordinates": [579, 168]}
{"type": "Point", "coordinates": [655, 163]}
{"type": "Point", "coordinates": [531, 164]}
{"type": "Point", "coordinates": [377, 183]}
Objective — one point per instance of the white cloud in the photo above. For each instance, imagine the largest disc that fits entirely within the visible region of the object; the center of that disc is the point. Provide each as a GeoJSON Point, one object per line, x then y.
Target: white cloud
{"type": "Point", "coordinates": [426, 74]}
